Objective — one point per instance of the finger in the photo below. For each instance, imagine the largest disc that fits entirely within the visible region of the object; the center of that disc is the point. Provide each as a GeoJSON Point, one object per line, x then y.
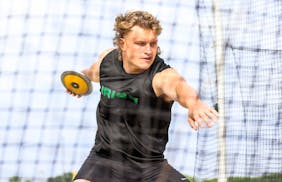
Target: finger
{"type": "Point", "coordinates": [215, 112]}
{"type": "Point", "coordinates": [197, 119]}
{"type": "Point", "coordinates": [199, 122]}
{"type": "Point", "coordinates": [206, 120]}
{"type": "Point", "coordinates": [70, 92]}
{"type": "Point", "coordinates": [73, 94]}
{"type": "Point", "coordinates": [192, 124]}
{"type": "Point", "coordinates": [211, 116]}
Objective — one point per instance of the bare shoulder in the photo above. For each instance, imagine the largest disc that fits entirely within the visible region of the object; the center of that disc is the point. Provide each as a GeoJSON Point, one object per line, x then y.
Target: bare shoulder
{"type": "Point", "coordinates": [164, 82]}
{"type": "Point", "coordinates": [100, 58]}
{"type": "Point", "coordinates": [169, 72]}
{"type": "Point", "coordinates": [104, 53]}
{"type": "Point", "coordinates": [165, 76]}
{"type": "Point", "coordinates": [93, 73]}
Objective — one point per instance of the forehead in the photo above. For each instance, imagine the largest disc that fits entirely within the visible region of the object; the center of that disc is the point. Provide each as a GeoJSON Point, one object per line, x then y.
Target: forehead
{"type": "Point", "coordinates": [138, 32]}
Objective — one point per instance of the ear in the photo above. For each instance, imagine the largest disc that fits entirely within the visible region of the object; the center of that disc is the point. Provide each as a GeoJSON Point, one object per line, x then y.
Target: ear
{"type": "Point", "coordinates": [122, 44]}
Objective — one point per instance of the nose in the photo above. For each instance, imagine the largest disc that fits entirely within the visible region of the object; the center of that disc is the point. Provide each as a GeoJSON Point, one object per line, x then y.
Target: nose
{"type": "Point", "coordinates": [148, 49]}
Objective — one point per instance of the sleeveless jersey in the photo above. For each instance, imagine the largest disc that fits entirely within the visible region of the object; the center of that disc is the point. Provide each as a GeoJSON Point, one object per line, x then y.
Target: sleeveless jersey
{"type": "Point", "coordinates": [131, 119]}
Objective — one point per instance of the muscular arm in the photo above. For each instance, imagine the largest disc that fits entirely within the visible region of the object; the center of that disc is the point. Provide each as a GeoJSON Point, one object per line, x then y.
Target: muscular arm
{"type": "Point", "coordinates": [172, 86]}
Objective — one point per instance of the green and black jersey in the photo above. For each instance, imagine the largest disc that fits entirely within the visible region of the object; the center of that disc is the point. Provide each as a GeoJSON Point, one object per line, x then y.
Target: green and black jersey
{"type": "Point", "coordinates": [131, 118]}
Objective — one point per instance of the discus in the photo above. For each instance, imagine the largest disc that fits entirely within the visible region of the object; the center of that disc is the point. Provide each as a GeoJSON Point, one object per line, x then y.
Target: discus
{"type": "Point", "coordinates": [76, 82]}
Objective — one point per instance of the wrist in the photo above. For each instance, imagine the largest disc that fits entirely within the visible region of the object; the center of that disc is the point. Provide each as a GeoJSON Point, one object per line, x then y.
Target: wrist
{"type": "Point", "coordinates": [191, 102]}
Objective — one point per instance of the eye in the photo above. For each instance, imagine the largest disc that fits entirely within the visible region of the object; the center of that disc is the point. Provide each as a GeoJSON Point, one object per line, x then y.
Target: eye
{"type": "Point", "coordinates": [153, 44]}
{"type": "Point", "coordinates": [141, 43]}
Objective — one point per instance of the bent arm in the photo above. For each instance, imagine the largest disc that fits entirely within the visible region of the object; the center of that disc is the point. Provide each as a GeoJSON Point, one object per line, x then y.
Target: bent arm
{"type": "Point", "coordinates": [93, 72]}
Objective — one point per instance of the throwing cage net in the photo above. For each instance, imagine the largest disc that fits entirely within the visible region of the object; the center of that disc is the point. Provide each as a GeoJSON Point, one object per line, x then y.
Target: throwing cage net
{"type": "Point", "coordinates": [230, 51]}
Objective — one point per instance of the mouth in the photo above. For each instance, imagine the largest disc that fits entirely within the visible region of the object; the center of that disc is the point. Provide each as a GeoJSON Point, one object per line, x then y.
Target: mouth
{"type": "Point", "coordinates": [147, 59]}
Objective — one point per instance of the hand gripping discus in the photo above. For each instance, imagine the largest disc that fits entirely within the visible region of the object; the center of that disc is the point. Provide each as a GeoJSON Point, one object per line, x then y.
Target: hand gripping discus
{"type": "Point", "coordinates": [76, 82]}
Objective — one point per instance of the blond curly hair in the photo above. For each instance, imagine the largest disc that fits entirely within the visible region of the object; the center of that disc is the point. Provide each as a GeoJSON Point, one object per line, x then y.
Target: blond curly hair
{"type": "Point", "coordinates": [125, 22]}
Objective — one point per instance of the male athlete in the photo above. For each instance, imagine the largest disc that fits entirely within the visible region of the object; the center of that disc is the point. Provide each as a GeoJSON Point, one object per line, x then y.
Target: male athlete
{"type": "Point", "coordinates": [133, 116]}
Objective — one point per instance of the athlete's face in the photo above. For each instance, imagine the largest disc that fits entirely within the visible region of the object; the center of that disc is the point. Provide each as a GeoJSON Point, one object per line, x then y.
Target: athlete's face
{"type": "Point", "coordinates": [139, 49]}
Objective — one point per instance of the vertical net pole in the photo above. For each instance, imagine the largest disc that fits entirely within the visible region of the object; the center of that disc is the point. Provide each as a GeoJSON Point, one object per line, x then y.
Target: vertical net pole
{"type": "Point", "coordinates": [219, 64]}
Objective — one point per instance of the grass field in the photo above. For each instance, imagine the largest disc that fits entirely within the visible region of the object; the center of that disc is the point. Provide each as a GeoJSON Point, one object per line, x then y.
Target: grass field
{"type": "Point", "coordinates": [267, 178]}
{"type": "Point", "coordinates": [67, 177]}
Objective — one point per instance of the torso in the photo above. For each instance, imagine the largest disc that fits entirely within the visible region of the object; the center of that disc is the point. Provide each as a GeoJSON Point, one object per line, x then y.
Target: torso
{"type": "Point", "coordinates": [131, 118]}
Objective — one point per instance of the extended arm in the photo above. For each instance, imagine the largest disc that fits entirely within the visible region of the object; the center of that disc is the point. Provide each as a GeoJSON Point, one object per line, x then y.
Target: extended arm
{"type": "Point", "coordinates": [172, 86]}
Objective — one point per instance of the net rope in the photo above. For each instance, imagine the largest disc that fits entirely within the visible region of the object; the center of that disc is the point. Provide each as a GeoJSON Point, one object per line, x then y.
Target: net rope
{"type": "Point", "coordinates": [45, 132]}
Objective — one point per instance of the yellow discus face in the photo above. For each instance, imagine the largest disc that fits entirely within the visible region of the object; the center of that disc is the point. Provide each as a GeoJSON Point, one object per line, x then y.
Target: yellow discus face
{"type": "Point", "coordinates": [76, 83]}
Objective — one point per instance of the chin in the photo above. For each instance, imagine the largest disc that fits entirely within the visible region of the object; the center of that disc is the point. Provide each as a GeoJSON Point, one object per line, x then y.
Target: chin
{"type": "Point", "coordinates": [146, 65]}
